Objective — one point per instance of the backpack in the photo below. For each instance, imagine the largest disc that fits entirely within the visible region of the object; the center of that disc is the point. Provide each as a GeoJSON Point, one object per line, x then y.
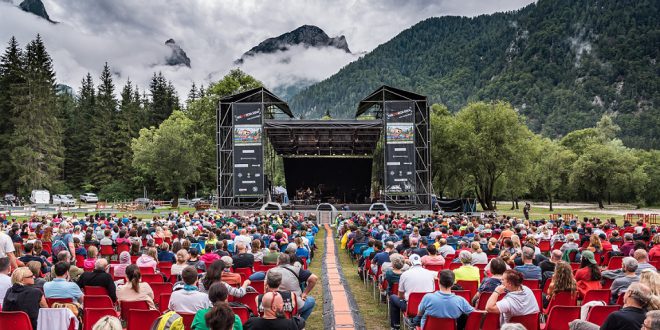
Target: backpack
{"type": "Point", "coordinates": [168, 321]}
{"type": "Point", "coordinates": [58, 246]}
{"type": "Point", "coordinates": [74, 307]}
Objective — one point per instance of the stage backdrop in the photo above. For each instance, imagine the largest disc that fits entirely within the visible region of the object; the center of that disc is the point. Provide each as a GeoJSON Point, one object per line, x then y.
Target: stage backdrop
{"type": "Point", "coordinates": [248, 150]}
{"type": "Point", "coordinates": [399, 147]}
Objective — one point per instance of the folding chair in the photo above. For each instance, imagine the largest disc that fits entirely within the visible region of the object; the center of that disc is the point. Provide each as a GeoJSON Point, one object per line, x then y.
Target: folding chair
{"type": "Point", "coordinates": [147, 270]}
{"type": "Point", "coordinates": [596, 295]}
{"type": "Point", "coordinates": [242, 312]}
{"type": "Point", "coordinates": [160, 288]}
{"type": "Point", "coordinates": [598, 314]}
{"type": "Point", "coordinates": [141, 319]}
{"type": "Point", "coordinates": [483, 298]}
{"type": "Point", "coordinates": [412, 307]}
{"type": "Point", "coordinates": [439, 323]}
{"type": "Point", "coordinates": [93, 315]}
{"type": "Point", "coordinates": [466, 294]}
{"type": "Point", "coordinates": [163, 301]}
{"type": "Point", "coordinates": [530, 321]}
{"type": "Point", "coordinates": [15, 320]}
{"type": "Point", "coordinates": [259, 286]}
{"type": "Point", "coordinates": [97, 302]}
{"type": "Point", "coordinates": [615, 263]}
{"type": "Point", "coordinates": [188, 319]}
{"type": "Point", "coordinates": [127, 306]}
{"type": "Point", "coordinates": [531, 283]}
{"type": "Point", "coordinates": [95, 291]}
{"type": "Point", "coordinates": [152, 278]}
{"type": "Point", "coordinates": [472, 286]}
{"type": "Point", "coordinates": [51, 301]}
{"type": "Point", "coordinates": [250, 300]}
{"type": "Point", "coordinates": [560, 316]}
{"type": "Point", "coordinates": [561, 299]}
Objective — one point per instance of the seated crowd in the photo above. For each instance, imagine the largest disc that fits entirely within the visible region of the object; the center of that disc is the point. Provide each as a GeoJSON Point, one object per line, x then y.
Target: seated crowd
{"type": "Point", "coordinates": [491, 272]}
{"type": "Point", "coordinates": [207, 270]}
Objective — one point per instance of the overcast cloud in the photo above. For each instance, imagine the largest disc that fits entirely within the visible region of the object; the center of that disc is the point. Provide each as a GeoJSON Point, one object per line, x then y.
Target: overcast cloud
{"type": "Point", "coordinates": [130, 34]}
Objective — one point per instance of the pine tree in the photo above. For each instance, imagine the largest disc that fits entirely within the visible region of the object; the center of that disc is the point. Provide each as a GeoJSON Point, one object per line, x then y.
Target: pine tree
{"type": "Point", "coordinates": [105, 132]}
{"type": "Point", "coordinates": [193, 94]}
{"type": "Point", "coordinates": [37, 148]}
{"type": "Point", "coordinates": [78, 140]}
{"type": "Point", "coordinates": [11, 76]}
{"type": "Point", "coordinates": [130, 122]}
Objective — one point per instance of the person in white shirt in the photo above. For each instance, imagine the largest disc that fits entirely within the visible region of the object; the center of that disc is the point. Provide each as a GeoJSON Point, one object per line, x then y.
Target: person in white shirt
{"type": "Point", "coordinates": [416, 279]}
{"type": "Point", "coordinates": [189, 299]}
{"type": "Point", "coordinates": [245, 239]}
{"type": "Point", "coordinates": [7, 249]}
{"type": "Point", "coordinates": [5, 279]}
{"type": "Point", "coordinates": [445, 249]}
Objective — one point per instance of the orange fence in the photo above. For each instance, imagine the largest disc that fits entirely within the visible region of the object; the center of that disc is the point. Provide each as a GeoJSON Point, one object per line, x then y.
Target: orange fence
{"type": "Point", "coordinates": [651, 219]}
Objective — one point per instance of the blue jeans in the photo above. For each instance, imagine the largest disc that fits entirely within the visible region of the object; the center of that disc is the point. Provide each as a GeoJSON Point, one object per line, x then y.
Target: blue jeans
{"type": "Point", "coordinates": [396, 306]}
{"type": "Point", "coordinates": [307, 308]}
{"type": "Point", "coordinates": [257, 276]}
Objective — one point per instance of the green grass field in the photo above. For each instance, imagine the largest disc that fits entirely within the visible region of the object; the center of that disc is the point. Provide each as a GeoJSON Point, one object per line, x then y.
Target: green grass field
{"type": "Point", "coordinates": [315, 320]}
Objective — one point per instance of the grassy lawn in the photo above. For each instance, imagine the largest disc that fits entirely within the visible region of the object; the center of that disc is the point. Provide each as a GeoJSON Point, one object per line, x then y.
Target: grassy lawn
{"type": "Point", "coordinates": [315, 320]}
{"type": "Point", "coordinates": [140, 214]}
{"type": "Point", "coordinates": [373, 312]}
{"type": "Point", "coordinates": [544, 213]}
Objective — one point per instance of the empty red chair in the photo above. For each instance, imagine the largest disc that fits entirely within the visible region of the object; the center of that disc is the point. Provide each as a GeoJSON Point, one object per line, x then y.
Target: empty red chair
{"type": "Point", "coordinates": [51, 301]}
{"type": "Point", "coordinates": [152, 278]}
{"type": "Point", "coordinates": [147, 270]}
{"type": "Point", "coordinates": [597, 295]}
{"type": "Point", "coordinates": [127, 306]}
{"type": "Point", "coordinates": [97, 302]}
{"type": "Point", "coordinates": [15, 320]}
{"type": "Point", "coordinates": [483, 298]}
{"type": "Point", "coordinates": [188, 319]}
{"type": "Point", "coordinates": [414, 300]}
{"type": "Point", "coordinates": [530, 283]}
{"type": "Point", "coordinates": [141, 319]}
{"type": "Point", "coordinates": [560, 316]}
{"type": "Point", "coordinates": [561, 299]}
{"type": "Point", "coordinates": [93, 315]}
{"type": "Point", "coordinates": [250, 300]}
{"type": "Point", "coordinates": [439, 323]}
{"type": "Point", "coordinates": [544, 246]}
{"type": "Point", "coordinates": [530, 321]}
{"type": "Point", "coordinates": [615, 263]}
{"type": "Point", "coordinates": [598, 314]}
{"type": "Point", "coordinates": [95, 291]}
{"type": "Point", "coordinates": [163, 301]}
{"type": "Point", "coordinates": [242, 312]}
{"type": "Point", "coordinates": [466, 294]}
{"type": "Point", "coordinates": [107, 250]}
{"type": "Point", "coordinates": [472, 286]}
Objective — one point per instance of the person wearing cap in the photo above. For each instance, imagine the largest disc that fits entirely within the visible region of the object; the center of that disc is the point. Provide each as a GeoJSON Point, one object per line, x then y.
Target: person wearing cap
{"type": "Point", "coordinates": [620, 285]}
{"type": "Point", "coordinates": [415, 279]}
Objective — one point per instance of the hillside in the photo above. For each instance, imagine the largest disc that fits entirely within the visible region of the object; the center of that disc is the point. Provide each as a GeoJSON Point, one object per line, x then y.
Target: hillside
{"type": "Point", "coordinates": [561, 63]}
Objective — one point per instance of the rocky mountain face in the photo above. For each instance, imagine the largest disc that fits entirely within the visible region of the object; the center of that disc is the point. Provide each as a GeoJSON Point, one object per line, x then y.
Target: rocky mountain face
{"type": "Point", "coordinates": [36, 7]}
{"type": "Point", "coordinates": [178, 56]}
{"type": "Point", "coordinates": [306, 35]}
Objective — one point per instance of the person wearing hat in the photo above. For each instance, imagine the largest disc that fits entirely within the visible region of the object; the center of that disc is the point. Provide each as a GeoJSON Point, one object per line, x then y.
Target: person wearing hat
{"type": "Point", "coordinates": [415, 279]}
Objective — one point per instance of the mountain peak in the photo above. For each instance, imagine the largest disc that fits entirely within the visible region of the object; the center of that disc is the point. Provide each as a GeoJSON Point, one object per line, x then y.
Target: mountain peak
{"type": "Point", "coordinates": [306, 35]}
{"type": "Point", "coordinates": [36, 7]}
{"type": "Point", "coordinates": [178, 56]}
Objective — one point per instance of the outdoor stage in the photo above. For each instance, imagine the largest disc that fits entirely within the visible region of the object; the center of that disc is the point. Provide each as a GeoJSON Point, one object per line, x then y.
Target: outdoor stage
{"type": "Point", "coordinates": [385, 158]}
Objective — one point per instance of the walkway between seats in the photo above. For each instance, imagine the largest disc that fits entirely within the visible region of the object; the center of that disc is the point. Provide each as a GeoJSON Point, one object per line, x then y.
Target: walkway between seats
{"type": "Point", "coordinates": [341, 309]}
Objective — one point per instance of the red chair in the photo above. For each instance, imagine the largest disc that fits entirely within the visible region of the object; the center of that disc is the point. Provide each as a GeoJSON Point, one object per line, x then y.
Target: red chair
{"type": "Point", "coordinates": [95, 291]}
{"type": "Point", "coordinates": [615, 263]}
{"type": "Point", "coordinates": [596, 295]}
{"type": "Point", "coordinates": [152, 278]}
{"type": "Point", "coordinates": [619, 299]}
{"type": "Point", "coordinates": [491, 322]}
{"type": "Point", "coordinates": [575, 266]}
{"type": "Point", "coordinates": [544, 246]}
{"type": "Point", "coordinates": [414, 300]}
{"type": "Point", "coordinates": [560, 316]}
{"type": "Point", "coordinates": [147, 270]}
{"type": "Point", "coordinates": [532, 284]}
{"type": "Point", "coordinates": [160, 288]}
{"type": "Point", "coordinates": [474, 320]}
{"type": "Point", "coordinates": [530, 321]}
{"type": "Point", "coordinates": [466, 294]}
{"type": "Point", "coordinates": [561, 299]}
{"type": "Point", "coordinates": [48, 247]}
{"type": "Point", "coordinates": [123, 247]}
{"type": "Point", "coordinates": [141, 319]}
{"type": "Point", "coordinates": [259, 286]}
{"type": "Point", "coordinates": [538, 295]}
{"type": "Point", "coordinates": [439, 323]}
{"type": "Point", "coordinates": [97, 302]}
{"type": "Point", "coordinates": [134, 259]}
{"type": "Point", "coordinates": [163, 301]}
{"type": "Point", "coordinates": [188, 320]}
{"type": "Point", "coordinates": [80, 261]}
{"type": "Point", "coordinates": [93, 315]}
{"type": "Point", "coordinates": [165, 270]}
{"type": "Point", "coordinates": [242, 312]}
{"type": "Point", "coordinates": [263, 268]}
{"type": "Point", "coordinates": [107, 250]}
{"type": "Point", "coordinates": [483, 298]}
{"type": "Point", "coordinates": [454, 265]}
{"type": "Point", "coordinates": [472, 286]}
{"type": "Point", "coordinates": [608, 283]}
{"type": "Point", "coordinates": [598, 314]}
{"type": "Point", "coordinates": [249, 299]}
{"type": "Point", "coordinates": [557, 245]}
{"type": "Point", "coordinates": [51, 301]}
{"type": "Point", "coordinates": [435, 268]}
{"type": "Point", "coordinates": [158, 241]}
{"type": "Point", "coordinates": [15, 320]}
{"type": "Point", "coordinates": [127, 306]}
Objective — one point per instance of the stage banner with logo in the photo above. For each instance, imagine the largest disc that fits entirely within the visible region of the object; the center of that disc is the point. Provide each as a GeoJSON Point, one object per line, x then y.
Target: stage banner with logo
{"type": "Point", "coordinates": [248, 149]}
{"type": "Point", "coordinates": [399, 147]}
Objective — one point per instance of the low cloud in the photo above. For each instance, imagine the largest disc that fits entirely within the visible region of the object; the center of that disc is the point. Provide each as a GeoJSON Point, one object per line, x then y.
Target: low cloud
{"type": "Point", "coordinates": [130, 35]}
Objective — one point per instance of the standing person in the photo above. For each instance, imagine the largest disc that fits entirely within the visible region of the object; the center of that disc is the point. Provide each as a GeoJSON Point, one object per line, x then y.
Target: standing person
{"type": "Point", "coordinates": [416, 279]}
{"type": "Point", "coordinates": [519, 299]}
{"type": "Point", "coordinates": [526, 209]}
{"type": "Point", "coordinates": [23, 297]}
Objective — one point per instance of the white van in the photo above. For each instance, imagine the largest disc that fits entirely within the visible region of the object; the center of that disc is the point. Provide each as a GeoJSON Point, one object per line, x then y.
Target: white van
{"type": "Point", "coordinates": [40, 197]}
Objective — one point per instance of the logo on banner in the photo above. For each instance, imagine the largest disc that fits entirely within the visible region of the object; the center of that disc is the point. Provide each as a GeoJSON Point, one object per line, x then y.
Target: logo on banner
{"type": "Point", "coordinates": [399, 114]}
{"type": "Point", "coordinates": [248, 116]}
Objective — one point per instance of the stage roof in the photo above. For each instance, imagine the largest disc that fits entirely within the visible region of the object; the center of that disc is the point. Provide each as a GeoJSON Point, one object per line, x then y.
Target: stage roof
{"type": "Point", "coordinates": [323, 137]}
{"type": "Point", "coordinates": [386, 93]}
{"type": "Point", "coordinates": [258, 95]}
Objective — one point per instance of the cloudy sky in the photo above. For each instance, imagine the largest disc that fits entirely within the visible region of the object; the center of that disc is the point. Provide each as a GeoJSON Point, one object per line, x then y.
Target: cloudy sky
{"type": "Point", "coordinates": [130, 34]}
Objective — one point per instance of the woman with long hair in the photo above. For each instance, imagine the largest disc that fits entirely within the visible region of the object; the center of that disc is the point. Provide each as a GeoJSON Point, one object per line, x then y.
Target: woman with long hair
{"type": "Point", "coordinates": [652, 279]}
{"type": "Point", "coordinates": [218, 295]}
{"type": "Point", "coordinates": [562, 281]}
{"type": "Point", "coordinates": [595, 245]}
{"type": "Point", "coordinates": [134, 290]}
{"type": "Point", "coordinates": [182, 257]}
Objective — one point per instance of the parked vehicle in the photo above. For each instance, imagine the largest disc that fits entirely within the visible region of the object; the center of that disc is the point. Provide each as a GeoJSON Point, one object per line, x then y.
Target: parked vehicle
{"type": "Point", "coordinates": [10, 198]}
{"type": "Point", "coordinates": [326, 207]}
{"type": "Point", "coordinates": [183, 201]}
{"type": "Point", "coordinates": [63, 200]}
{"type": "Point", "coordinates": [40, 197]}
{"type": "Point", "coordinates": [89, 198]}
{"type": "Point", "coordinates": [379, 207]}
{"type": "Point", "coordinates": [142, 200]}
{"type": "Point", "coordinates": [194, 201]}
{"type": "Point", "coordinates": [270, 206]}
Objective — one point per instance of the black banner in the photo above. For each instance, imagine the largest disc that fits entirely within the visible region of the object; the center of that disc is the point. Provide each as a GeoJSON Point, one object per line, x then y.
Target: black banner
{"type": "Point", "coordinates": [248, 150]}
{"type": "Point", "coordinates": [399, 147]}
